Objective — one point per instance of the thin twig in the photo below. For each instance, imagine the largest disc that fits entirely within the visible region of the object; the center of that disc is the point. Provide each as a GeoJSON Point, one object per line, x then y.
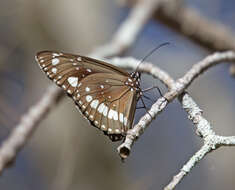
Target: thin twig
{"type": "Point", "coordinates": [176, 179]}
{"type": "Point", "coordinates": [205, 131]}
{"type": "Point", "coordinates": [21, 133]}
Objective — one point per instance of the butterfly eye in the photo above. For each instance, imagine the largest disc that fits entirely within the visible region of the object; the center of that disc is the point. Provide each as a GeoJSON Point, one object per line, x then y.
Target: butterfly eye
{"type": "Point", "coordinates": [105, 95]}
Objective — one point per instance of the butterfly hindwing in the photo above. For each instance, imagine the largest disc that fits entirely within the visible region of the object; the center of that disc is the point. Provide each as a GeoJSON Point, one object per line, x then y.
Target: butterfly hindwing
{"type": "Point", "coordinates": [97, 88]}
{"type": "Point", "coordinates": [106, 103]}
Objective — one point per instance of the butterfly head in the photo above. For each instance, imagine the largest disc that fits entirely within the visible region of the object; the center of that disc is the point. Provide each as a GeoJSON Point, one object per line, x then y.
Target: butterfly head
{"type": "Point", "coordinates": [136, 76]}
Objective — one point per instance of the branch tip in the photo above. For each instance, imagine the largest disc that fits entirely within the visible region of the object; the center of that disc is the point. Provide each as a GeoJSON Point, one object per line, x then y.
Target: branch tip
{"type": "Point", "coordinates": [124, 152]}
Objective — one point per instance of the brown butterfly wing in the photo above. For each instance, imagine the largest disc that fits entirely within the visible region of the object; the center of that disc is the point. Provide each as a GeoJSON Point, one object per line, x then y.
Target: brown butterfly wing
{"type": "Point", "coordinates": [107, 103]}
{"type": "Point", "coordinates": [97, 88]}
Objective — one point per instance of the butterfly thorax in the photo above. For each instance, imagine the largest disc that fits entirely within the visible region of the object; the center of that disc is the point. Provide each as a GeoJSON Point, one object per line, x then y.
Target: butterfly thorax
{"type": "Point", "coordinates": [134, 82]}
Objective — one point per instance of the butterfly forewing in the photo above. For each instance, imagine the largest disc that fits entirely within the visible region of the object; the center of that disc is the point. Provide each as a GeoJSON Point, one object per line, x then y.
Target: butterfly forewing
{"type": "Point", "coordinates": [99, 90]}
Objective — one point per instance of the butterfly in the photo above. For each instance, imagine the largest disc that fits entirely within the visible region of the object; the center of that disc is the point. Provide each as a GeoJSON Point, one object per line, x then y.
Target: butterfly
{"type": "Point", "coordinates": [105, 94]}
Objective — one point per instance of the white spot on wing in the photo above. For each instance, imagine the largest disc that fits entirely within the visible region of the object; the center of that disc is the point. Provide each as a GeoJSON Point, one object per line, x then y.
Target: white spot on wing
{"type": "Point", "coordinates": [113, 114]}
{"type": "Point", "coordinates": [54, 70]}
{"type": "Point", "coordinates": [88, 70]}
{"type": "Point", "coordinates": [79, 59]}
{"type": "Point", "coordinates": [55, 61]}
{"type": "Point", "coordinates": [94, 104]}
{"type": "Point", "coordinates": [125, 121]}
{"type": "Point", "coordinates": [102, 86]}
{"type": "Point", "coordinates": [73, 81]}
{"type": "Point", "coordinates": [105, 112]}
{"type": "Point", "coordinates": [103, 126]}
{"type": "Point", "coordinates": [117, 130]}
{"type": "Point", "coordinates": [88, 98]}
{"type": "Point", "coordinates": [121, 117]}
{"type": "Point", "coordinates": [101, 108]}
{"type": "Point", "coordinates": [87, 89]}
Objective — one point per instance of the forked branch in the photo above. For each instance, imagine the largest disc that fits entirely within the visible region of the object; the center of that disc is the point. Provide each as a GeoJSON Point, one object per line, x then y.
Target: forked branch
{"type": "Point", "coordinates": [176, 89]}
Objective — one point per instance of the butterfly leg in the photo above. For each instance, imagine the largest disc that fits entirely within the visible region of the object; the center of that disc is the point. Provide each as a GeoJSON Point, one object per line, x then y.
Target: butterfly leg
{"type": "Point", "coordinates": [147, 98]}
{"type": "Point", "coordinates": [150, 88]}
{"type": "Point", "coordinates": [159, 91]}
{"type": "Point", "coordinates": [145, 106]}
{"type": "Point", "coordinates": [140, 107]}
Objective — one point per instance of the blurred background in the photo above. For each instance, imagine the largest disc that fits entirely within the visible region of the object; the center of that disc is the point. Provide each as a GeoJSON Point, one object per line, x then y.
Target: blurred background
{"type": "Point", "coordinates": [65, 152]}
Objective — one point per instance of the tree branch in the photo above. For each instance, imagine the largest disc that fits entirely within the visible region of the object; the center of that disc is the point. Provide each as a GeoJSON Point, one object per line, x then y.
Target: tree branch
{"type": "Point", "coordinates": [175, 89]}
{"type": "Point", "coordinates": [205, 131]}
{"type": "Point", "coordinates": [21, 133]}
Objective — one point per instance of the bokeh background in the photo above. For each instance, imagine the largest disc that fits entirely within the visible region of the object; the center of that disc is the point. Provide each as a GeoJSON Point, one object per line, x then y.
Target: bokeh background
{"type": "Point", "coordinates": [65, 152]}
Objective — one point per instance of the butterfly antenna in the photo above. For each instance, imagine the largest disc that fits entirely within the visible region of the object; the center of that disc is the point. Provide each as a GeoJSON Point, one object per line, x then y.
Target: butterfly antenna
{"type": "Point", "coordinates": [150, 53]}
